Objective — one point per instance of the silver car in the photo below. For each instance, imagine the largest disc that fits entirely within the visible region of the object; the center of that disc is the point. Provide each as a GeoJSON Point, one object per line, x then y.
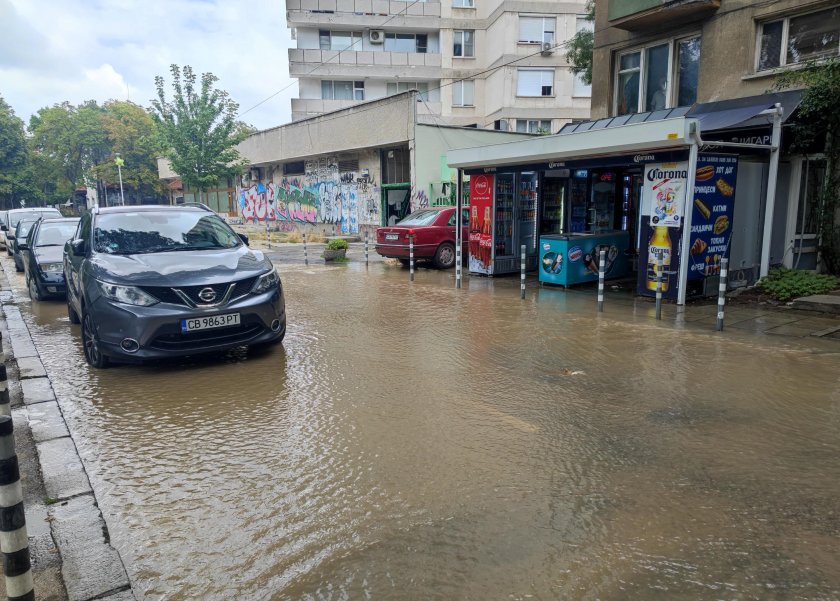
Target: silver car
{"type": "Point", "coordinates": [153, 282]}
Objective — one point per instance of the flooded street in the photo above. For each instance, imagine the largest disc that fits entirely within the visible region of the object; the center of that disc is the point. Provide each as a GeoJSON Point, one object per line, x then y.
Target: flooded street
{"type": "Point", "coordinates": [420, 442]}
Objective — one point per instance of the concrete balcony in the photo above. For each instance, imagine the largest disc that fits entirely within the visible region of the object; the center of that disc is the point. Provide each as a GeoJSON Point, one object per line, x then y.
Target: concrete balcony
{"type": "Point", "coordinates": [307, 107]}
{"type": "Point", "coordinates": [638, 15]}
{"type": "Point", "coordinates": [363, 64]}
{"type": "Point", "coordinates": [301, 13]}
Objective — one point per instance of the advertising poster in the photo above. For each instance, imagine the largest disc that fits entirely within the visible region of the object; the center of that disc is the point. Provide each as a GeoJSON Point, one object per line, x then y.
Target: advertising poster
{"type": "Point", "coordinates": [664, 193]}
{"type": "Point", "coordinates": [712, 211]}
{"type": "Point", "coordinates": [481, 224]}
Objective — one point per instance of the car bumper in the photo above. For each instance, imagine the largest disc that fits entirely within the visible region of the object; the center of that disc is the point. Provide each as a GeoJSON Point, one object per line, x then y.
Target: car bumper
{"type": "Point", "coordinates": [51, 284]}
{"type": "Point", "coordinates": [157, 329]}
{"type": "Point", "coordinates": [400, 251]}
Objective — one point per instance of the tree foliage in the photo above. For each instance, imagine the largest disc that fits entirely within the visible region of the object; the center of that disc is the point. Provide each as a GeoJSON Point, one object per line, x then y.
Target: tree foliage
{"type": "Point", "coordinates": [579, 47]}
{"type": "Point", "coordinates": [12, 153]}
{"type": "Point", "coordinates": [818, 126]}
{"type": "Point", "coordinates": [198, 129]}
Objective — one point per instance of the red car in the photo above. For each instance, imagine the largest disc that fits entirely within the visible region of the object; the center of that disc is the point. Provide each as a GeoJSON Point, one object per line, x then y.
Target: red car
{"type": "Point", "coordinates": [434, 236]}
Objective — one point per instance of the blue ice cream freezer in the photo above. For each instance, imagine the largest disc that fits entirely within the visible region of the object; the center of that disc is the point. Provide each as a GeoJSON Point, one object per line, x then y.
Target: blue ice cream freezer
{"type": "Point", "coordinates": [568, 259]}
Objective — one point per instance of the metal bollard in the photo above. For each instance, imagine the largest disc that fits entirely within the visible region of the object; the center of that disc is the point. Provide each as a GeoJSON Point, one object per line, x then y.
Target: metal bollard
{"type": "Point", "coordinates": [602, 265]}
{"type": "Point", "coordinates": [724, 265]}
{"type": "Point", "coordinates": [14, 543]}
{"type": "Point", "coordinates": [659, 265]}
{"type": "Point", "coordinates": [458, 263]}
{"type": "Point", "coordinates": [305, 256]}
{"type": "Point", "coordinates": [268, 233]}
{"type": "Point", "coordinates": [5, 406]}
{"type": "Point", "coordinates": [522, 273]}
{"type": "Point", "coordinates": [411, 256]}
{"type": "Point", "coordinates": [366, 249]}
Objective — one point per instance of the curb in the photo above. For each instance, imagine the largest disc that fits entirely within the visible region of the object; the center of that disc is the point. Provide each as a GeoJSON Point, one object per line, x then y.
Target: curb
{"type": "Point", "coordinates": [91, 567]}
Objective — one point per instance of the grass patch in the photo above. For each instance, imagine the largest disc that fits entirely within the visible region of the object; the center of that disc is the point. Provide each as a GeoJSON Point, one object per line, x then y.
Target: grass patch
{"type": "Point", "coordinates": [50, 501]}
{"type": "Point", "coordinates": [337, 244]}
{"type": "Point", "coordinates": [340, 260]}
{"type": "Point", "coordinates": [785, 284]}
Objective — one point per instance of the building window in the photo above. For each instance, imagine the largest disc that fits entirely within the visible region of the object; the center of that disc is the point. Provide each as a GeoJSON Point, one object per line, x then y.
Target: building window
{"type": "Point", "coordinates": [294, 168]}
{"type": "Point", "coordinates": [340, 40]}
{"type": "Point", "coordinates": [404, 86]}
{"type": "Point", "coordinates": [644, 78]}
{"type": "Point", "coordinates": [536, 30]}
{"type": "Point", "coordinates": [406, 42]}
{"type": "Point", "coordinates": [396, 166]}
{"type": "Point", "coordinates": [535, 82]}
{"type": "Point", "coordinates": [342, 90]}
{"type": "Point", "coordinates": [463, 93]}
{"type": "Point", "coordinates": [533, 126]}
{"type": "Point", "coordinates": [798, 39]}
{"type": "Point", "coordinates": [463, 3]}
{"type": "Point", "coordinates": [464, 43]}
{"type": "Point", "coordinates": [501, 125]}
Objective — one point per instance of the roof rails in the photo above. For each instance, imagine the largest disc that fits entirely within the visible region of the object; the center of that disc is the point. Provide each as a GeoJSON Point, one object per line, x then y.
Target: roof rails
{"type": "Point", "coordinates": [197, 204]}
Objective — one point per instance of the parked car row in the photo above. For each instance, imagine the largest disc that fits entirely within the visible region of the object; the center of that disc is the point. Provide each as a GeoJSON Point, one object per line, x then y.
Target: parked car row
{"type": "Point", "coordinates": [151, 282]}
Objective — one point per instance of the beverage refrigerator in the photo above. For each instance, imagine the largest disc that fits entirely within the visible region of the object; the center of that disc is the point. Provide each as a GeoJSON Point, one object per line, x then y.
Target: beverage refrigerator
{"type": "Point", "coordinates": [507, 219]}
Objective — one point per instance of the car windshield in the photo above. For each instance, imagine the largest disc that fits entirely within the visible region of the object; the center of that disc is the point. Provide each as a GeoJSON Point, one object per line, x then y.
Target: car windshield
{"type": "Point", "coordinates": [141, 232]}
{"type": "Point", "coordinates": [55, 234]}
{"type": "Point", "coordinates": [422, 217]}
{"type": "Point", "coordinates": [23, 227]}
{"type": "Point", "coordinates": [14, 218]}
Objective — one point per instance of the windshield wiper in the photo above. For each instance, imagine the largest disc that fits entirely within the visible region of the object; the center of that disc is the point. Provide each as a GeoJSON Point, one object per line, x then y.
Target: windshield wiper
{"type": "Point", "coordinates": [46, 245]}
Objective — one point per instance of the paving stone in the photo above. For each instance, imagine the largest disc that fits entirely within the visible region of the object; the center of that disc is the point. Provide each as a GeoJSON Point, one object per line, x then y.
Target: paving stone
{"type": "Point", "coordinates": [123, 596]}
{"type": "Point", "coordinates": [90, 565]}
{"type": "Point", "coordinates": [37, 390]}
{"type": "Point", "coordinates": [789, 330]}
{"type": "Point", "coordinates": [31, 367]}
{"type": "Point", "coordinates": [46, 421]}
{"type": "Point", "coordinates": [62, 469]}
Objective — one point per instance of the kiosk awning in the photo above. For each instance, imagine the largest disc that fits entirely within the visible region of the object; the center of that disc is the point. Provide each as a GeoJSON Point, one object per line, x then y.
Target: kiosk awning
{"type": "Point", "coordinates": [631, 138]}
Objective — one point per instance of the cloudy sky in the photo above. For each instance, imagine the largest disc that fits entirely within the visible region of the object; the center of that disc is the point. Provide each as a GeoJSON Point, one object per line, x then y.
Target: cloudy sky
{"type": "Point", "coordinates": [75, 50]}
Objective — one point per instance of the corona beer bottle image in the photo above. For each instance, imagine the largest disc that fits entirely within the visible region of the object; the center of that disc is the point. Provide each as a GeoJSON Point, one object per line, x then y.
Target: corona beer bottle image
{"type": "Point", "coordinates": [660, 241]}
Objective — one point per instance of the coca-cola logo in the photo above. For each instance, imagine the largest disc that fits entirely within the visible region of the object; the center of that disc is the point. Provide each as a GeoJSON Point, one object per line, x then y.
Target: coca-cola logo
{"type": "Point", "coordinates": [482, 186]}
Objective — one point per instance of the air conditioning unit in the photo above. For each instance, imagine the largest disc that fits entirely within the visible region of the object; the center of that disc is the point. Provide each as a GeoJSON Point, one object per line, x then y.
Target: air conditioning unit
{"type": "Point", "coordinates": [547, 49]}
{"type": "Point", "coordinates": [376, 36]}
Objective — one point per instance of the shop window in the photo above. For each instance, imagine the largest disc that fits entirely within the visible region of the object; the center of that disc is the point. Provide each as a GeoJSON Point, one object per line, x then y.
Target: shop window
{"type": "Point", "coordinates": [404, 86]}
{"type": "Point", "coordinates": [406, 42]}
{"type": "Point", "coordinates": [340, 40]}
{"type": "Point", "coordinates": [501, 125]}
{"type": "Point", "coordinates": [464, 45]}
{"type": "Point", "coordinates": [342, 90]}
{"type": "Point", "coordinates": [463, 93]}
{"type": "Point", "coordinates": [798, 39]}
{"type": "Point", "coordinates": [644, 81]}
{"type": "Point", "coordinates": [533, 126]}
{"type": "Point", "coordinates": [535, 82]}
{"type": "Point", "coordinates": [294, 168]}
{"type": "Point", "coordinates": [536, 30]}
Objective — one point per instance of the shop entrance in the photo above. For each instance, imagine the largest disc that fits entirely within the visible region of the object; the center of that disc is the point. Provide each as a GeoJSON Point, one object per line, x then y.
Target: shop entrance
{"type": "Point", "coordinates": [396, 203]}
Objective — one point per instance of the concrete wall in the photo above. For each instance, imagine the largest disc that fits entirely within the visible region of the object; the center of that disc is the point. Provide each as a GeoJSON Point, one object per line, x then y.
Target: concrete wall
{"type": "Point", "coordinates": [727, 55]}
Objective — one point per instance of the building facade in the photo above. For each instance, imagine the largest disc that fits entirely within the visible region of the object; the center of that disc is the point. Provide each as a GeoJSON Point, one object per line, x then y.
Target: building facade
{"type": "Point", "coordinates": [490, 64]}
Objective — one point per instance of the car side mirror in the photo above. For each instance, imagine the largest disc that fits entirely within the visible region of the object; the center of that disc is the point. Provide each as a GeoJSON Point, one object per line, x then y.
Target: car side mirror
{"type": "Point", "coordinates": [22, 246]}
{"type": "Point", "coordinates": [244, 239]}
{"type": "Point", "coordinates": [4, 227]}
{"type": "Point", "coordinates": [78, 246]}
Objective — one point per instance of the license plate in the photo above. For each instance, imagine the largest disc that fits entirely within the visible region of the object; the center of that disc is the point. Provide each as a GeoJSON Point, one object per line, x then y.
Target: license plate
{"type": "Point", "coordinates": [212, 321]}
{"type": "Point", "coordinates": [392, 236]}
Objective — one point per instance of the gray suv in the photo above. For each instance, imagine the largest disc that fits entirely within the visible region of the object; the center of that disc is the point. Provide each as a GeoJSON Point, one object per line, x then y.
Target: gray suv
{"type": "Point", "coordinates": [152, 282]}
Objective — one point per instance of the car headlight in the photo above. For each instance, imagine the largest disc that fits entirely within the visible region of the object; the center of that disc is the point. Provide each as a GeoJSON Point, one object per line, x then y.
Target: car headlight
{"type": "Point", "coordinates": [52, 267]}
{"type": "Point", "coordinates": [130, 295]}
{"type": "Point", "coordinates": [266, 282]}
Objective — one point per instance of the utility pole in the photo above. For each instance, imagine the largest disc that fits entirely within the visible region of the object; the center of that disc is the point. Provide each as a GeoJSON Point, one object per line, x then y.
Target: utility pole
{"type": "Point", "coordinates": [119, 162]}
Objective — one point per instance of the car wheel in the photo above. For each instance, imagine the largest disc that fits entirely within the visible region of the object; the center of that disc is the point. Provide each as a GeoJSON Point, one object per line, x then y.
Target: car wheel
{"type": "Point", "coordinates": [93, 355]}
{"type": "Point", "coordinates": [445, 256]}
{"type": "Point", "coordinates": [405, 262]}
{"type": "Point", "coordinates": [34, 293]}
{"type": "Point", "coordinates": [71, 314]}
{"type": "Point", "coordinates": [18, 266]}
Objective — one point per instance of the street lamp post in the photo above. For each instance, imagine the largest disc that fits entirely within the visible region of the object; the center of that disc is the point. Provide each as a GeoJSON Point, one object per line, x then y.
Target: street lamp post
{"type": "Point", "coordinates": [119, 162]}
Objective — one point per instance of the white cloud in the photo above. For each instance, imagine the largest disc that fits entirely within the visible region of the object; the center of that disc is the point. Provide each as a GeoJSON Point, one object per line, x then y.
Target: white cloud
{"type": "Point", "coordinates": [75, 50]}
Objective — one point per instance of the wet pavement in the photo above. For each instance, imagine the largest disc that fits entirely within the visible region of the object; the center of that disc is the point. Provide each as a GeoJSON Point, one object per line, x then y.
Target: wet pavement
{"type": "Point", "coordinates": [420, 442]}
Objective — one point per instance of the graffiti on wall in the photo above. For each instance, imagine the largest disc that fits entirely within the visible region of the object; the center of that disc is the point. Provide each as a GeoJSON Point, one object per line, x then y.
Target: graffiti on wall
{"type": "Point", "coordinates": [322, 196]}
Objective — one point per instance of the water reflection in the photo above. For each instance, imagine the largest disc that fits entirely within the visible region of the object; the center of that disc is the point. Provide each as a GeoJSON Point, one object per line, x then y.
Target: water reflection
{"type": "Point", "coordinates": [423, 442]}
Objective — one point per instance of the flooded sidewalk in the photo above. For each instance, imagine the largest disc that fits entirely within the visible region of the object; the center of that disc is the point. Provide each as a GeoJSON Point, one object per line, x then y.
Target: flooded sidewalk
{"type": "Point", "coordinates": [414, 441]}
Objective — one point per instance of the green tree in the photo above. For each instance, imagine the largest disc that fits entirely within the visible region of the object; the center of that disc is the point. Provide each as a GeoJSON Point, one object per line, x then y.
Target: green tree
{"type": "Point", "coordinates": [579, 47]}
{"type": "Point", "coordinates": [198, 129]}
{"type": "Point", "coordinates": [13, 154]}
{"type": "Point", "coordinates": [818, 129]}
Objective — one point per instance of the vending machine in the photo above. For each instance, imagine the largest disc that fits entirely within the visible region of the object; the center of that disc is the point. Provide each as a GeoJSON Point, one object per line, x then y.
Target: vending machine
{"type": "Point", "coordinates": [503, 218]}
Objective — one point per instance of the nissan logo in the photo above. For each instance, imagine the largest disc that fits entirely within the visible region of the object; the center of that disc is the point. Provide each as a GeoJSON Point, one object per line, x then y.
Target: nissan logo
{"type": "Point", "coordinates": [208, 295]}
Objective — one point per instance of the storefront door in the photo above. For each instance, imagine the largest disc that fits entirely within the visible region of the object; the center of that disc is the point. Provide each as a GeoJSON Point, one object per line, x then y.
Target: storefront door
{"type": "Point", "coordinates": [802, 228]}
{"type": "Point", "coordinates": [396, 203]}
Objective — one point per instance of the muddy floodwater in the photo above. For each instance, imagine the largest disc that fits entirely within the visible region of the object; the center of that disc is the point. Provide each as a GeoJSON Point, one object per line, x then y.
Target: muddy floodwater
{"type": "Point", "coordinates": [418, 442]}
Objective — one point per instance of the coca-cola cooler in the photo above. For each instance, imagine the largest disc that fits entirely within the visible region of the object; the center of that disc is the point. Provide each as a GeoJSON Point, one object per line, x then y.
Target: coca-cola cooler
{"type": "Point", "coordinates": [503, 217]}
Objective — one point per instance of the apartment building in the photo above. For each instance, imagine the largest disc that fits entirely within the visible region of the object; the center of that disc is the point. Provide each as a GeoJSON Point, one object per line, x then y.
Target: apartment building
{"type": "Point", "coordinates": [491, 64]}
